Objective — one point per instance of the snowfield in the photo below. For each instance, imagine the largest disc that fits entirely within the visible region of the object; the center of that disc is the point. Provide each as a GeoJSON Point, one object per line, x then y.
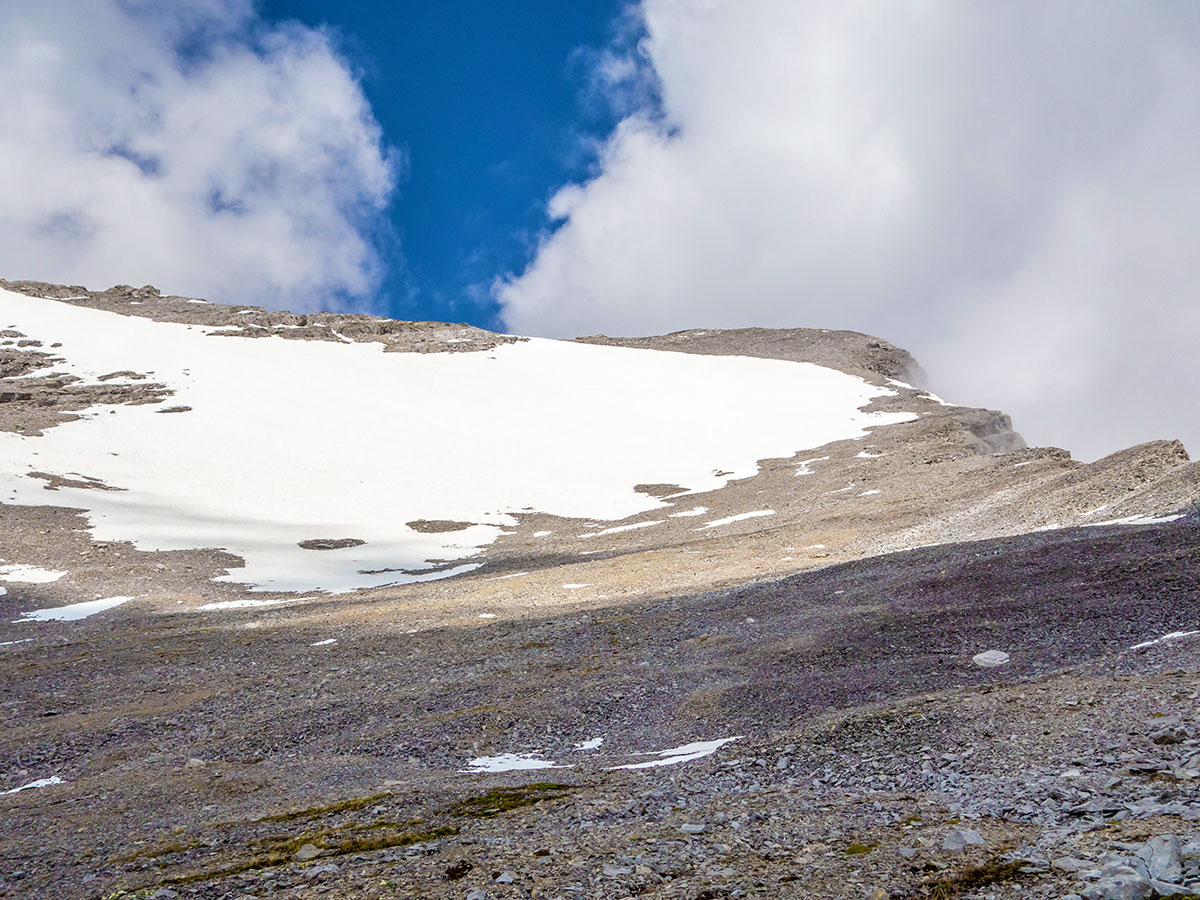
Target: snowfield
{"type": "Point", "coordinates": [289, 441]}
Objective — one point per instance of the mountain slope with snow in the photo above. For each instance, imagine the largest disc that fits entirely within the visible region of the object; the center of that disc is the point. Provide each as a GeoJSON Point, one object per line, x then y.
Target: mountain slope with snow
{"type": "Point", "coordinates": [269, 444]}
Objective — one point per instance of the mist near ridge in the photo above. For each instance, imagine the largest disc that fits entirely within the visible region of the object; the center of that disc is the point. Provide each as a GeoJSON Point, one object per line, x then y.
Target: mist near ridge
{"type": "Point", "coordinates": [1007, 190]}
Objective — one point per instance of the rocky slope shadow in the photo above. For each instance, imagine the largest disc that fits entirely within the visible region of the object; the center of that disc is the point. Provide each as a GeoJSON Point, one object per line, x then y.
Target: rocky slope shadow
{"type": "Point", "coordinates": [875, 758]}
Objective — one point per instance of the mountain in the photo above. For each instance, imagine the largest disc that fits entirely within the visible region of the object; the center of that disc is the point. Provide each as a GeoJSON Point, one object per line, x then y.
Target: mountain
{"type": "Point", "coordinates": [299, 600]}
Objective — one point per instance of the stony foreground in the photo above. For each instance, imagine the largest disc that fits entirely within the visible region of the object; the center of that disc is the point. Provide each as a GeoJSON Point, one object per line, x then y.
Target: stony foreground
{"type": "Point", "coordinates": [874, 759]}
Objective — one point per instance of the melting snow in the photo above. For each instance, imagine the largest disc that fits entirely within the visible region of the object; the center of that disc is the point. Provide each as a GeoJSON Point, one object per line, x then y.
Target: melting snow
{"type": "Point", "coordinates": [590, 744]}
{"type": "Point", "coordinates": [926, 395]}
{"type": "Point", "coordinates": [10, 643]}
{"type": "Point", "coordinates": [867, 454]}
{"type": "Point", "coordinates": [324, 643]}
{"type": "Point", "coordinates": [677, 755]}
{"type": "Point", "coordinates": [1137, 520]}
{"type": "Point", "coordinates": [717, 523]}
{"type": "Point", "coordinates": [511, 762]}
{"type": "Point", "coordinates": [1173, 636]}
{"type": "Point", "coordinates": [368, 433]}
{"type": "Point", "coordinates": [870, 493]}
{"type": "Point", "coordinates": [575, 587]}
{"type": "Point", "coordinates": [245, 604]}
{"type": "Point", "coordinates": [694, 511]}
{"type": "Point", "coordinates": [40, 783]}
{"type": "Point", "coordinates": [487, 615]}
{"type": "Point", "coordinates": [804, 466]}
{"type": "Point", "coordinates": [74, 611]}
{"type": "Point", "coordinates": [542, 533]}
{"type": "Point", "coordinates": [29, 574]}
{"type": "Point", "coordinates": [619, 528]}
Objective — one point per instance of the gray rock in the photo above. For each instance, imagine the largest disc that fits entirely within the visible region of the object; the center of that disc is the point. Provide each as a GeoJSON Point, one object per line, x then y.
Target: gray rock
{"type": "Point", "coordinates": [477, 894]}
{"type": "Point", "coordinates": [164, 894]}
{"type": "Point", "coordinates": [688, 828]}
{"type": "Point", "coordinates": [959, 839]}
{"type": "Point", "coordinates": [908, 852]}
{"type": "Point", "coordinates": [990, 659]}
{"type": "Point", "coordinates": [616, 871]}
{"type": "Point", "coordinates": [506, 877]}
{"type": "Point", "coordinates": [1163, 889]}
{"type": "Point", "coordinates": [1163, 857]}
{"type": "Point", "coordinates": [306, 852]}
{"type": "Point", "coordinates": [1127, 885]}
{"type": "Point", "coordinates": [318, 871]}
{"type": "Point", "coordinates": [1070, 864]}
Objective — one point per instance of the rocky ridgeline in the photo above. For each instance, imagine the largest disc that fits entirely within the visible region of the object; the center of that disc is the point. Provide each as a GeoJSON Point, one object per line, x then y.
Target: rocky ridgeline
{"type": "Point", "coordinates": [255, 322]}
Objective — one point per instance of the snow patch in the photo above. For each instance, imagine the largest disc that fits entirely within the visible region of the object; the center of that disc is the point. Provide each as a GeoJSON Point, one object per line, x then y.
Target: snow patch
{"type": "Point", "coordinates": [73, 611]}
{"type": "Point", "coordinates": [40, 783]}
{"type": "Point", "coordinates": [506, 577]}
{"type": "Point", "coordinates": [511, 762]}
{"type": "Point", "coordinates": [245, 604]}
{"type": "Point", "coordinates": [590, 744]}
{"type": "Point", "coordinates": [1173, 636]}
{"type": "Point", "coordinates": [1137, 520]}
{"type": "Point", "coordinates": [687, 513]}
{"type": "Point", "coordinates": [324, 643]}
{"type": "Point", "coordinates": [717, 523]}
{"type": "Point", "coordinates": [29, 574]}
{"type": "Point", "coordinates": [805, 469]}
{"type": "Point", "coordinates": [676, 755]}
{"type": "Point", "coordinates": [619, 528]}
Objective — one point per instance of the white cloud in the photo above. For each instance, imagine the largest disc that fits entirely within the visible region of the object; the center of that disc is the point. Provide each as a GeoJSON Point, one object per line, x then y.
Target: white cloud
{"type": "Point", "coordinates": [188, 145]}
{"type": "Point", "coordinates": [1008, 189]}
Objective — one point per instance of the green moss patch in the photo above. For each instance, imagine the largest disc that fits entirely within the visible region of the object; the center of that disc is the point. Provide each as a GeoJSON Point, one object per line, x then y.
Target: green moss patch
{"type": "Point", "coordinates": [993, 872]}
{"type": "Point", "coordinates": [505, 799]}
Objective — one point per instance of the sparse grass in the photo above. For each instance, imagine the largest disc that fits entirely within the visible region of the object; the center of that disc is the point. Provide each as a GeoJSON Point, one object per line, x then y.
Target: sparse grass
{"type": "Point", "coordinates": [314, 812]}
{"type": "Point", "coordinates": [859, 849]}
{"type": "Point", "coordinates": [991, 872]}
{"type": "Point", "coordinates": [505, 799]}
{"type": "Point", "coordinates": [283, 851]}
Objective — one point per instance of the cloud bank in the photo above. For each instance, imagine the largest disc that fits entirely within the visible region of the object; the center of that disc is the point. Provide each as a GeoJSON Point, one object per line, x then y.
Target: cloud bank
{"type": "Point", "coordinates": [1010, 190]}
{"type": "Point", "coordinates": [188, 145]}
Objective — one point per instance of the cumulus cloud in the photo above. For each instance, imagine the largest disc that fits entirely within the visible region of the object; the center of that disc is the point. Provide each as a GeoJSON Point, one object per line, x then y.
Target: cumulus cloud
{"type": "Point", "coordinates": [190, 145]}
{"type": "Point", "coordinates": [1007, 189]}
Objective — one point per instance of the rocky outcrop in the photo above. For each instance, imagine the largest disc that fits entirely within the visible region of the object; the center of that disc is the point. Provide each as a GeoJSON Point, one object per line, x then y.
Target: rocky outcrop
{"type": "Point", "coordinates": [253, 321]}
{"type": "Point", "coordinates": [848, 351]}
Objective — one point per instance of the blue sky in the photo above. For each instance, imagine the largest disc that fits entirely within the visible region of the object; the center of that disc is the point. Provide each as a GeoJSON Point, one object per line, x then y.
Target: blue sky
{"type": "Point", "coordinates": [490, 104]}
